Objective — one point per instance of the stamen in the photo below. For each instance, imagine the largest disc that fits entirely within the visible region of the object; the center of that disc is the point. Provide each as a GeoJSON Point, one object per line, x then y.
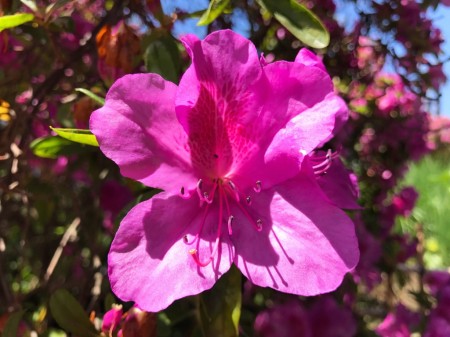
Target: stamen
{"type": "Point", "coordinates": [199, 189]}
{"type": "Point", "coordinates": [329, 155]}
{"type": "Point", "coordinates": [194, 252]}
{"type": "Point", "coordinates": [230, 223]}
{"type": "Point", "coordinates": [257, 187]}
{"type": "Point", "coordinates": [230, 217]}
{"type": "Point", "coordinates": [322, 167]}
{"type": "Point", "coordinates": [213, 191]}
{"type": "Point", "coordinates": [226, 201]}
{"type": "Point", "coordinates": [195, 239]}
{"type": "Point", "coordinates": [234, 190]}
{"type": "Point", "coordinates": [259, 224]}
{"type": "Point", "coordinates": [249, 200]}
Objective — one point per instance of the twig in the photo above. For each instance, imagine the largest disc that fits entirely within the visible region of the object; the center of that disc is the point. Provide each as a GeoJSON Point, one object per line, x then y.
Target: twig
{"type": "Point", "coordinates": [70, 232]}
{"type": "Point", "coordinates": [5, 287]}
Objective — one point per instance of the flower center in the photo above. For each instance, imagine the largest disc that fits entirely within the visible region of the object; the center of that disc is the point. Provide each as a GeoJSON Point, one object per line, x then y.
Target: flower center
{"type": "Point", "coordinates": [225, 192]}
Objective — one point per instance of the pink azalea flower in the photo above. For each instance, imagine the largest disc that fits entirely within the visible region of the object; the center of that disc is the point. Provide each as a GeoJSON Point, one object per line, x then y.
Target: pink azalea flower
{"type": "Point", "coordinates": [404, 202]}
{"type": "Point", "coordinates": [398, 324]}
{"type": "Point", "coordinates": [113, 198]}
{"type": "Point", "coordinates": [339, 185]}
{"type": "Point", "coordinates": [325, 318]}
{"type": "Point", "coordinates": [439, 320]}
{"type": "Point", "coordinates": [283, 320]}
{"type": "Point", "coordinates": [436, 280]}
{"type": "Point", "coordinates": [229, 148]}
{"type": "Point", "coordinates": [112, 319]}
{"type": "Point", "coordinates": [328, 319]}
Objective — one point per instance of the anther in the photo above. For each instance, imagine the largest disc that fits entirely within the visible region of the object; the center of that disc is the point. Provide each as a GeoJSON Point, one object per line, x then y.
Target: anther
{"type": "Point", "coordinates": [230, 223]}
{"type": "Point", "coordinates": [259, 224]}
{"type": "Point", "coordinates": [234, 189]}
{"type": "Point", "coordinates": [194, 255]}
{"type": "Point", "coordinates": [183, 193]}
{"type": "Point", "coordinates": [199, 184]}
{"type": "Point", "coordinates": [257, 187]}
{"type": "Point", "coordinates": [199, 189]}
{"type": "Point", "coordinates": [185, 239]}
{"type": "Point", "coordinates": [249, 200]}
{"type": "Point", "coordinates": [206, 197]}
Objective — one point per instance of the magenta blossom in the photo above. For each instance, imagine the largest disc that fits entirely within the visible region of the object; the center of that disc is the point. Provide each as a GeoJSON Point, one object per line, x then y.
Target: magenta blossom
{"type": "Point", "coordinates": [229, 148]}
{"type": "Point", "coordinates": [283, 320]}
{"type": "Point", "coordinates": [398, 324]}
{"type": "Point", "coordinates": [112, 319]}
{"type": "Point", "coordinates": [325, 318]}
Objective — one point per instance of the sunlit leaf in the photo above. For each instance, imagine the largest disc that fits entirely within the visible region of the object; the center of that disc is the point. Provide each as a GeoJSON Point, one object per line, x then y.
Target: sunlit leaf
{"type": "Point", "coordinates": [70, 315]}
{"type": "Point", "coordinates": [299, 20]}
{"type": "Point", "coordinates": [98, 99]}
{"type": "Point", "coordinates": [31, 4]}
{"type": "Point", "coordinates": [215, 8]}
{"type": "Point", "coordinates": [12, 324]}
{"type": "Point", "coordinates": [77, 135]}
{"type": "Point", "coordinates": [54, 146]}
{"type": "Point", "coordinates": [220, 307]}
{"type": "Point", "coordinates": [10, 21]}
{"type": "Point", "coordinates": [56, 5]}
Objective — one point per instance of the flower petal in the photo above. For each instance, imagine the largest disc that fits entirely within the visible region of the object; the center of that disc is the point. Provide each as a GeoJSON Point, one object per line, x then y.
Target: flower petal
{"type": "Point", "coordinates": [137, 128]}
{"type": "Point", "coordinates": [227, 66]}
{"type": "Point", "coordinates": [303, 133]}
{"type": "Point", "coordinates": [312, 128]}
{"type": "Point", "coordinates": [308, 58]}
{"type": "Point", "coordinates": [340, 186]}
{"type": "Point", "coordinates": [149, 262]}
{"type": "Point", "coordinates": [312, 244]}
{"type": "Point", "coordinates": [218, 100]}
{"type": "Point", "coordinates": [299, 115]}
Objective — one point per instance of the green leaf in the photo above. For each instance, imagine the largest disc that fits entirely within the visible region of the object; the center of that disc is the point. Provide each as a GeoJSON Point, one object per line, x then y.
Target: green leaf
{"type": "Point", "coordinates": [70, 315]}
{"type": "Point", "coordinates": [299, 20]}
{"type": "Point", "coordinates": [10, 21]}
{"type": "Point", "coordinates": [98, 99]}
{"type": "Point", "coordinates": [215, 8]}
{"type": "Point", "coordinates": [12, 324]}
{"type": "Point", "coordinates": [220, 307]}
{"type": "Point", "coordinates": [162, 56]}
{"type": "Point", "coordinates": [77, 135]}
{"type": "Point", "coordinates": [54, 146]}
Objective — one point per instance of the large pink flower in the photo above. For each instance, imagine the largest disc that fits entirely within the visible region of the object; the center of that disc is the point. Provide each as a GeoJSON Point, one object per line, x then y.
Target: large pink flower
{"type": "Point", "coordinates": [229, 148]}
